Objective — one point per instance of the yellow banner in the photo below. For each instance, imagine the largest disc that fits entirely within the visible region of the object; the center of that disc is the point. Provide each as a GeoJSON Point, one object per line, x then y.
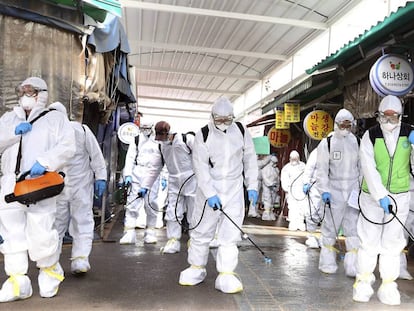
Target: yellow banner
{"type": "Point", "coordinates": [292, 113]}
{"type": "Point", "coordinates": [280, 120]}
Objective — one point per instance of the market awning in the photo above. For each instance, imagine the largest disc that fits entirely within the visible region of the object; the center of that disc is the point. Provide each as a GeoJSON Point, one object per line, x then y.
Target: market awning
{"type": "Point", "coordinates": [397, 23]}
{"type": "Point", "coordinates": [97, 9]}
{"type": "Point", "coordinates": [311, 88]}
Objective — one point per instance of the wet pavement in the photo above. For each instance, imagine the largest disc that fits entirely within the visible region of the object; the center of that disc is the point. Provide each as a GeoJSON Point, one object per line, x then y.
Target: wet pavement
{"type": "Point", "coordinates": [138, 277]}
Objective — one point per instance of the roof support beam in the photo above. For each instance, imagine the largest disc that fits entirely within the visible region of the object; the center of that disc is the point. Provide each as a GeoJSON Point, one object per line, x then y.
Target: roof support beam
{"type": "Point", "coordinates": [203, 49]}
{"type": "Point", "coordinates": [195, 89]}
{"type": "Point", "coordinates": [215, 13]}
{"type": "Point", "coordinates": [173, 109]}
{"type": "Point", "coordinates": [193, 72]}
{"type": "Point", "coordinates": [176, 100]}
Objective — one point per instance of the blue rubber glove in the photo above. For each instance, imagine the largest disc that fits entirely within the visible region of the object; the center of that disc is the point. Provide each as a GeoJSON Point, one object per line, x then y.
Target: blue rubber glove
{"type": "Point", "coordinates": [37, 169]}
{"type": "Point", "coordinates": [411, 137]}
{"type": "Point", "coordinates": [306, 188]}
{"type": "Point", "coordinates": [385, 202]}
{"type": "Point", "coordinates": [326, 197]}
{"type": "Point", "coordinates": [100, 186]}
{"type": "Point", "coordinates": [128, 180]}
{"type": "Point", "coordinates": [163, 184]}
{"type": "Point", "coordinates": [142, 192]}
{"type": "Point", "coordinates": [214, 202]}
{"type": "Point", "coordinates": [252, 195]}
{"type": "Point", "coordinates": [23, 128]}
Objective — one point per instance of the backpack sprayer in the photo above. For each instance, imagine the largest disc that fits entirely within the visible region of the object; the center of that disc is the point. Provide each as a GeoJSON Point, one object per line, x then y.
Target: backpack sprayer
{"type": "Point", "coordinates": [267, 260]}
{"type": "Point", "coordinates": [29, 191]}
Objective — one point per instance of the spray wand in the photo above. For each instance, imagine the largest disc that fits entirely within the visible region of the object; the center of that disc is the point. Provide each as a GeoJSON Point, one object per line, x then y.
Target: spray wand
{"type": "Point", "coordinates": [267, 260]}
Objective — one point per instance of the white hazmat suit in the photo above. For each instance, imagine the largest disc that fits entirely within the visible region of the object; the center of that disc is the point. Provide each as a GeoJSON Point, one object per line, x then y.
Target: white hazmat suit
{"type": "Point", "coordinates": [315, 211]}
{"type": "Point", "coordinates": [385, 154]}
{"type": "Point", "coordinates": [219, 163]}
{"type": "Point", "coordinates": [74, 204]}
{"type": "Point", "coordinates": [138, 162]}
{"type": "Point", "coordinates": [270, 187]}
{"type": "Point", "coordinates": [338, 175]}
{"type": "Point", "coordinates": [291, 181]}
{"type": "Point", "coordinates": [48, 144]}
{"type": "Point", "coordinates": [182, 183]}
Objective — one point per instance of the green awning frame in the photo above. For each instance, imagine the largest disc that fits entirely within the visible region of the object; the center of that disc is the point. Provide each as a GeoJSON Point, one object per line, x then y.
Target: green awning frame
{"type": "Point", "coordinates": [369, 38]}
{"type": "Point", "coordinates": [97, 9]}
{"type": "Point", "coordinates": [308, 90]}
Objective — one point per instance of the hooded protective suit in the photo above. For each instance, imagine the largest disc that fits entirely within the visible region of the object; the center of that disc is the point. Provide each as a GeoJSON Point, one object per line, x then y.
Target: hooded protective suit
{"type": "Point", "coordinates": [49, 144]}
{"type": "Point", "coordinates": [74, 204]}
{"type": "Point", "coordinates": [291, 181]}
{"type": "Point", "coordinates": [338, 175]}
{"type": "Point", "coordinates": [262, 161]}
{"type": "Point", "coordinates": [138, 162]}
{"type": "Point", "coordinates": [314, 212]}
{"type": "Point", "coordinates": [182, 186]}
{"type": "Point", "coordinates": [386, 168]}
{"type": "Point", "coordinates": [270, 197]}
{"type": "Point", "coordinates": [219, 164]}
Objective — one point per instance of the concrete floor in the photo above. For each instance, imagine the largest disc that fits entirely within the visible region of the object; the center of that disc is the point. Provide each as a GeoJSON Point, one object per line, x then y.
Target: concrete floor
{"type": "Point", "coordinates": [126, 277]}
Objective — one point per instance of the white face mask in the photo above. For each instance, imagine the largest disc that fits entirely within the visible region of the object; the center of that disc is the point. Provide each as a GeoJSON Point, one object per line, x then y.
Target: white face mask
{"type": "Point", "coordinates": [294, 162]}
{"type": "Point", "coordinates": [27, 103]}
{"type": "Point", "coordinates": [222, 127]}
{"type": "Point", "coordinates": [389, 127]}
{"type": "Point", "coordinates": [343, 133]}
{"type": "Point", "coordinates": [146, 132]}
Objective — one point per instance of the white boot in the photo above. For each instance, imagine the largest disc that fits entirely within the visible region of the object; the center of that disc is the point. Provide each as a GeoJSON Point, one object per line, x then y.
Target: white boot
{"type": "Point", "coordinates": [149, 236]}
{"type": "Point", "coordinates": [80, 265]}
{"type": "Point", "coordinates": [16, 287]}
{"type": "Point", "coordinates": [173, 246]}
{"type": "Point", "coordinates": [252, 211]}
{"type": "Point", "coordinates": [362, 289]}
{"type": "Point", "coordinates": [193, 275]}
{"type": "Point", "coordinates": [228, 283]}
{"type": "Point", "coordinates": [312, 241]}
{"type": "Point", "coordinates": [49, 280]}
{"type": "Point", "coordinates": [388, 294]}
{"type": "Point", "coordinates": [268, 215]}
{"type": "Point", "coordinates": [129, 237]}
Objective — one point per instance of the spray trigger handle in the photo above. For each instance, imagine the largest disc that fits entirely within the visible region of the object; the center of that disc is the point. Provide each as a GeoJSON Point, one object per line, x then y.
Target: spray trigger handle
{"type": "Point", "coordinates": [217, 207]}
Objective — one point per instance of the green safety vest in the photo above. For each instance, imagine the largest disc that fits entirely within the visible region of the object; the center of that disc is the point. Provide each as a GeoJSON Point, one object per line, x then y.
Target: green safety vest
{"type": "Point", "coordinates": [394, 171]}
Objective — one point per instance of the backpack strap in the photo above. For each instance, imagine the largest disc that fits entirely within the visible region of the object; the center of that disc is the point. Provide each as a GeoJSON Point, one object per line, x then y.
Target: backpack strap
{"type": "Point", "coordinates": [19, 153]}
{"type": "Point", "coordinates": [184, 135]}
{"type": "Point", "coordinates": [328, 141]}
{"type": "Point", "coordinates": [162, 157]}
{"type": "Point", "coordinates": [136, 144]}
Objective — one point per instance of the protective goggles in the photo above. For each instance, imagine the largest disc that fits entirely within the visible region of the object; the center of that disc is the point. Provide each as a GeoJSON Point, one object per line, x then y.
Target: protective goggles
{"type": "Point", "coordinates": [28, 90]}
{"type": "Point", "coordinates": [345, 125]}
{"type": "Point", "coordinates": [393, 118]}
{"type": "Point", "coordinates": [222, 120]}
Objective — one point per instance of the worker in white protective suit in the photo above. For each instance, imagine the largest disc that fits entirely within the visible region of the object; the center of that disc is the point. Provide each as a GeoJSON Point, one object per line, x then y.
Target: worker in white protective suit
{"type": "Point", "coordinates": [176, 150]}
{"type": "Point", "coordinates": [385, 153]}
{"type": "Point", "coordinates": [223, 152]}
{"type": "Point", "coordinates": [138, 161]}
{"type": "Point", "coordinates": [262, 161]}
{"type": "Point", "coordinates": [409, 224]}
{"type": "Point", "coordinates": [85, 172]}
{"type": "Point", "coordinates": [270, 186]}
{"type": "Point", "coordinates": [291, 181]}
{"type": "Point", "coordinates": [338, 175]}
{"type": "Point", "coordinates": [315, 211]}
{"type": "Point", "coordinates": [47, 144]}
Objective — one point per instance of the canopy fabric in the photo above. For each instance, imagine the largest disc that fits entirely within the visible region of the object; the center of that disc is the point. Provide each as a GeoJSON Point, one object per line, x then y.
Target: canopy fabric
{"type": "Point", "coordinates": [370, 38]}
